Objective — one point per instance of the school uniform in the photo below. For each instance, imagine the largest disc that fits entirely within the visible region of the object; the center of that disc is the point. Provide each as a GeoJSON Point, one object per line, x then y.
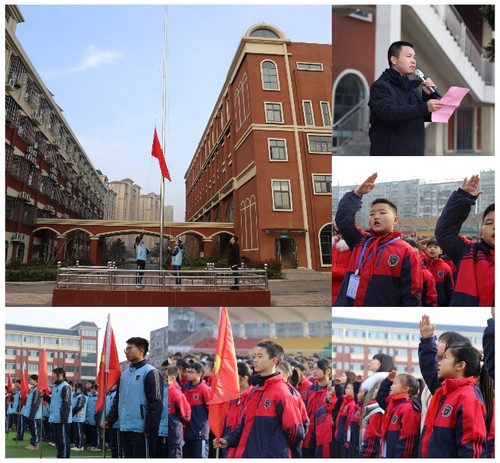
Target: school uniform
{"type": "Point", "coordinates": [179, 415]}
{"type": "Point", "coordinates": [60, 417]}
{"type": "Point", "coordinates": [315, 399]}
{"type": "Point", "coordinates": [352, 425]}
{"type": "Point", "coordinates": [443, 277]}
{"type": "Point", "coordinates": [197, 431]}
{"type": "Point", "coordinates": [346, 408]}
{"type": "Point", "coordinates": [371, 431]}
{"type": "Point", "coordinates": [383, 271]}
{"type": "Point", "coordinates": [79, 412]}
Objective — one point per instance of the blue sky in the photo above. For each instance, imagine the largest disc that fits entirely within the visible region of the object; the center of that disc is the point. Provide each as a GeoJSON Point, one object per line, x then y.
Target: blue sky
{"type": "Point", "coordinates": [104, 66]}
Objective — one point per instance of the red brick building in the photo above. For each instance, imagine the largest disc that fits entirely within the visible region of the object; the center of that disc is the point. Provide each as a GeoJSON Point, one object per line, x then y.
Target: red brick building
{"type": "Point", "coordinates": [264, 159]}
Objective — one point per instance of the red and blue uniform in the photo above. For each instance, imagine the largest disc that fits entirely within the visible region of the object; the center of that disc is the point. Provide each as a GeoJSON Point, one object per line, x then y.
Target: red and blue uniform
{"type": "Point", "coordinates": [401, 425]}
{"type": "Point", "coordinates": [303, 388]}
{"type": "Point", "coordinates": [370, 441]}
{"type": "Point", "coordinates": [443, 277]}
{"type": "Point", "coordinates": [429, 293]}
{"type": "Point", "coordinates": [323, 430]}
{"type": "Point", "coordinates": [233, 418]}
{"type": "Point", "coordinates": [475, 262]}
{"type": "Point", "coordinates": [390, 272]}
{"type": "Point", "coordinates": [316, 398]}
{"type": "Point", "coordinates": [455, 422]}
{"type": "Point", "coordinates": [197, 431]}
{"type": "Point", "coordinates": [272, 425]}
{"type": "Point", "coordinates": [346, 408]}
{"type": "Point", "coordinates": [352, 440]}
{"type": "Point", "coordinates": [179, 414]}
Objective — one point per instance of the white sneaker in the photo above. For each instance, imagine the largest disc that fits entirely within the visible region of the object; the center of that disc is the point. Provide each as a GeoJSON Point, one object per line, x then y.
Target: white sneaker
{"type": "Point", "coordinates": [138, 286]}
{"type": "Point", "coordinates": [77, 449]}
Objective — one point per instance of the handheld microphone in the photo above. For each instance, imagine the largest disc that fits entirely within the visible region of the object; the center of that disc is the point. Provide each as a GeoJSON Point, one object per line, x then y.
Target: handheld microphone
{"type": "Point", "coordinates": [420, 76]}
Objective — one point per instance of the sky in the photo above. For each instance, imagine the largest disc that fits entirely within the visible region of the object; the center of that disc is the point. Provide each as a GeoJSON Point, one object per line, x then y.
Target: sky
{"type": "Point", "coordinates": [127, 322]}
{"type": "Point", "coordinates": [347, 170]}
{"type": "Point", "coordinates": [104, 65]}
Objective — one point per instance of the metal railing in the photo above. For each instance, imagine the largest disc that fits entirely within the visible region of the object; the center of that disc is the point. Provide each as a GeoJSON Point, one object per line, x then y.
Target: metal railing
{"type": "Point", "coordinates": [111, 278]}
{"type": "Point", "coordinates": [351, 123]}
{"type": "Point", "coordinates": [465, 40]}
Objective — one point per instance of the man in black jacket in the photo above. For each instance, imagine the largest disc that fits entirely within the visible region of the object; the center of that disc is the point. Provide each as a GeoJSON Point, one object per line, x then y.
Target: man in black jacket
{"type": "Point", "coordinates": [399, 106]}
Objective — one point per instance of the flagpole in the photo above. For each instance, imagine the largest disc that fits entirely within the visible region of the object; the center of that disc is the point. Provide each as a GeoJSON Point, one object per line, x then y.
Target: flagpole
{"type": "Point", "coordinates": [103, 417]}
{"type": "Point", "coordinates": [163, 121]}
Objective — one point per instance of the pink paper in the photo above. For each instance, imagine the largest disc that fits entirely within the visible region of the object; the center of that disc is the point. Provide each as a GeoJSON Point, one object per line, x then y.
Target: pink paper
{"type": "Point", "coordinates": [451, 100]}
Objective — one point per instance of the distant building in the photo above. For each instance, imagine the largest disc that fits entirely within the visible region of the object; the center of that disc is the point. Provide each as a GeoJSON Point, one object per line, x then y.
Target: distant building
{"type": "Point", "coordinates": [355, 342]}
{"type": "Point", "coordinates": [74, 349]}
{"type": "Point", "coordinates": [264, 158]}
{"type": "Point", "coordinates": [158, 346]}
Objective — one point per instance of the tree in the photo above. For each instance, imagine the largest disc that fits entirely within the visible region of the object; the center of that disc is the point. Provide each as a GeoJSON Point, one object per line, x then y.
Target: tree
{"type": "Point", "coordinates": [488, 14]}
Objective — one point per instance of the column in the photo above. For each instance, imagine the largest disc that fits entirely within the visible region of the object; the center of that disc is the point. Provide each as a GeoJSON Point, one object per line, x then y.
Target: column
{"type": "Point", "coordinates": [387, 31]}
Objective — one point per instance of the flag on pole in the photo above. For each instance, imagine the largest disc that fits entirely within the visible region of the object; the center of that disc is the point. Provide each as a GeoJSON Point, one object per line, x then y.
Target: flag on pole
{"type": "Point", "coordinates": [109, 368]}
{"type": "Point", "coordinates": [43, 374]}
{"type": "Point", "coordinates": [157, 152]}
{"type": "Point", "coordinates": [225, 386]}
{"type": "Point", "coordinates": [25, 388]}
{"type": "Point", "coordinates": [9, 388]}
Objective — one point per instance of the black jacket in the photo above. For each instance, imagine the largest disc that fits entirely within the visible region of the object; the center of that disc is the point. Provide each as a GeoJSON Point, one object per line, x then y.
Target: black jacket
{"type": "Point", "coordinates": [398, 110]}
{"type": "Point", "coordinates": [234, 255]}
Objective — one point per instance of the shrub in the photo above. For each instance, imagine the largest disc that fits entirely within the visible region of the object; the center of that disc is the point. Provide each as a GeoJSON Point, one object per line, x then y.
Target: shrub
{"type": "Point", "coordinates": [273, 267]}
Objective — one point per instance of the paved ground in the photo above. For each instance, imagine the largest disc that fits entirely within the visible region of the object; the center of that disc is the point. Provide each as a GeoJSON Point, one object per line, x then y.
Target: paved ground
{"type": "Point", "coordinates": [302, 288]}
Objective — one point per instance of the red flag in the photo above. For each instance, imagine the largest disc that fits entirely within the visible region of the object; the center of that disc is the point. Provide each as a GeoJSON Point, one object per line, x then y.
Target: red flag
{"type": "Point", "coordinates": [225, 385]}
{"type": "Point", "coordinates": [43, 374]}
{"type": "Point", "coordinates": [25, 388]}
{"type": "Point", "coordinates": [157, 152]}
{"type": "Point", "coordinates": [9, 388]}
{"type": "Point", "coordinates": [109, 368]}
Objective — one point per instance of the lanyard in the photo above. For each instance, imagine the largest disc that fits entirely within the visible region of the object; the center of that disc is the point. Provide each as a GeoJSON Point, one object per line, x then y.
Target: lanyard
{"type": "Point", "coordinates": [360, 261]}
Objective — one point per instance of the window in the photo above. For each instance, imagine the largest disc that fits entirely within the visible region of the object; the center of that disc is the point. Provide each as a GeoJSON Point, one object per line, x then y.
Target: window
{"type": "Point", "coordinates": [337, 332]}
{"type": "Point", "coordinates": [33, 353]}
{"type": "Point", "coordinates": [377, 334]}
{"type": "Point", "coordinates": [400, 336]}
{"type": "Point", "coordinates": [325, 242]}
{"type": "Point", "coordinates": [357, 367]}
{"type": "Point", "coordinates": [90, 333]}
{"type": "Point", "coordinates": [10, 351]}
{"type": "Point", "coordinates": [402, 352]}
{"type": "Point", "coordinates": [308, 113]}
{"type": "Point", "coordinates": [265, 33]}
{"type": "Point", "coordinates": [355, 333]}
{"type": "Point", "coordinates": [325, 113]}
{"type": "Point", "coordinates": [281, 195]}
{"type": "Point", "coordinates": [230, 212]}
{"type": "Point", "coordinates": [269, 76]}
{"type": "Point", "coordinates": [357, 350]}
{"type": "Point", "coordinates": [322, 184]}
{"type": "Point", "coordinates": [310, 66]}
{"type": "Point", "coordinates": [88, 344]}
{"type": "Point", "coordinates": [32, 339]}
{"type": "Point", "coordinates": [50, 340]}
{"type": "Point", "coordinates": [277, 149]}
{"type": "Point", "coordinates": [71, 342]}
{"type": "Point", "coordinates": [274, 113]}
{"type": "Point", "coordinates": [13, 337]}
{"type": "Point", "coordinates": [87, 357]}
{"type": "Point", "coordinates": [320, 144]}
{"type": "Point", "coordinates": [415, 337]}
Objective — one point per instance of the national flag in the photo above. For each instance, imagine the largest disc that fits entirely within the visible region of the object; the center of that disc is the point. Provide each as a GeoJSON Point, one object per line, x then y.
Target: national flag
{"type": "Point", "coordinates": [9, 388]}
{"type": "Point", "coordinates": [25, 388]}
{"type": "Point", "coordinates": [109, 368]}
{"type": "Point", "coordinates": [157, 152]}
{"type": "Point", "coordinates": [225, 385]}
{"type": "Point", "coordinates": [43, 374]}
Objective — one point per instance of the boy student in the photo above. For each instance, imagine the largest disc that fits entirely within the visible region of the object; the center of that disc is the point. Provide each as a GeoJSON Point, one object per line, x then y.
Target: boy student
{"type": "Point", "coordinates": [441, 272]}
{"type": "Point", "coordinates": [384, 270]}
{"type": "Point", "coordinates": [475, 261]}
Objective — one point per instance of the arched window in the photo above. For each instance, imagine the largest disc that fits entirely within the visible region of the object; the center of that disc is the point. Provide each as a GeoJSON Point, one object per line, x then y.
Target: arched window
{"type": "Point", "coordinates": [20, 252]}
{"type": "Point", "coordinates": [349, 93]}
{"type": "Point", "coordinates": [269, 76]}
{"type": "Point", "coordinates": [264, 32]}
{"type": "Point", "coordinates": [325, 244]}
{"type": "Point", "coordinates": [230, 212]}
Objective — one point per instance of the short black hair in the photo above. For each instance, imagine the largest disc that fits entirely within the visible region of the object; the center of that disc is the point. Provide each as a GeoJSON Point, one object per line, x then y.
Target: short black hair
{"type": "Point", "coordinates": [140, 343]}
{"type": "Point", "coordinates": [385, 201]}
{"type": "Point", "coordinates": [273, 349]}
{"type": "Point", "coordinates": [244, 369]}
{"type": "Point", "coordinates": [196, 366]}
{"type": "Point", "coordinates": [395, 49]}
{"type": "Point", "coordinates": [414, 243]}
{"type": "Point", "coordinates": [34, 377]}
{"type": "Point", "coordinates": [59, 371]}
{"type": "Point", "coordinates": [490, 208]}
{"type": "Point", "coordinates": [386, 362]}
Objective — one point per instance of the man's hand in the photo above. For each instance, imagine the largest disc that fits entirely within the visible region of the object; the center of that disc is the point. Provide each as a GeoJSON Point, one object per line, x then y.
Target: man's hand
{"type": "Point", "coordinates": [426, 84]}
{"type": "Point", "coordinates": [392, 375]}
{"type": "Point", "coordinates": [367, 186]}
{"type": "Point", "coordinates": [105, 425]}
{"type": "Point", "coordinates": [426, 328]}
{"type": "Point", "coordinates": [471, 185]}
{"type": "Point", "coordinates": [220, 443]}
{"type": "Point", "coordinates": [434, 105]}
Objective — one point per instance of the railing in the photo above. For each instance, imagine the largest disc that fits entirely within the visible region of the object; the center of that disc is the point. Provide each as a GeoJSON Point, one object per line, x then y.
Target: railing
{"type": "Point", "coordinates": [351, 123]}
{"type": "Point", "coordinates": [211, 279]}
{"type": "Point", "coordinates": [465, 40]}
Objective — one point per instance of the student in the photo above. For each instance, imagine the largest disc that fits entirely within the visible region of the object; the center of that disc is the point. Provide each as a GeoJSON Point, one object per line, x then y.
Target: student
{"type": "Point", "coordinates": [179, 414]}
{"type": "Point", "coordinates": [341, 255]}
{"type": "Point", "coordinates": [401, 424]}
{"type": "Point", "coordinates": [272, 426]}
{"type": "Point", "coordinates": [114, 437]}
{"type": "Point", "coordinates": [347, 406]}
{"type": "Point", "coordinates": [32, 413]}
{"type": "Point", "coordinates": [475, 261]}
{"type": "Point", "coordinates": [457, 419]}
{"type": "Point", "coordinates": [384, 270]}
{"type": "Point", "coordinates": [197, 393]}
{"type": "Point", "coordinates": [177, 254]}
{"type": "Point", "coordinates": [79, 411]}
{"type": "Point", "coordinates": [371, 430]}
{"type": "Point", "coordinates": [141, 254]}
{"type": "Point", "coordinates": [352, 425]}
{"type": "Point", "coordinates": [162, 444]}
{"type": "Point", "coordinates": [299, 377]}
{"type": "Point", "coordinates": [93, 431]}
{"type": "Point", "coordinates": [441, 271]}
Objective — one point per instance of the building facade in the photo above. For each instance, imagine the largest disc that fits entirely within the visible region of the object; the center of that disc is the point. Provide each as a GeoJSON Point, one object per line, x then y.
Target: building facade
{"type": "Point", "coordinates": [264, 159]}
{"type": "Point", "coordinates": [356, 341]}
{"type": "Point", "coordinates": [449, 41]}
{"type": "Point", "coordinates": [47, 173]}
{"type": "Point", "coordinates": [74, 349]}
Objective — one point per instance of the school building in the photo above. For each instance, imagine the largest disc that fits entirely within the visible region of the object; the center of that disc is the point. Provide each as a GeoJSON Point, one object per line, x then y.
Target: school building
{"type": "Point", "coordinates": [356, 341]}
{"type": "Point", "coordinates": [449, 42]}
{"type": "Point", "coordinates": [74, 349]}
{"type": "Point", "coordinates": [264, 158]}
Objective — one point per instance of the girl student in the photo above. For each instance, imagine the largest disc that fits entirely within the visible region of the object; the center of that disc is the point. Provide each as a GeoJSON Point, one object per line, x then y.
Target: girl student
{"type": "Point", "coordinates": [398, 395]}
{"type": "Point", "coordinates": [370, 428]}
{"type": "Point", "coordinates": [460, 414]}
{"type": "Point", "coordinates": [352, 426]}
{"type": "Point", "coordinates": [347, 406]}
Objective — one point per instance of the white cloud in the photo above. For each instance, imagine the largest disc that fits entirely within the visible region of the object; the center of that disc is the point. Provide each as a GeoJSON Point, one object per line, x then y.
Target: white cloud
{"type": "Point", "coordinates": [94, 59]}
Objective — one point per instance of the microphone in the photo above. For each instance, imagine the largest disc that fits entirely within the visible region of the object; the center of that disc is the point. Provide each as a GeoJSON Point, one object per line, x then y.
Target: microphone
{"type": "Point", "coordinates": [420, 76]}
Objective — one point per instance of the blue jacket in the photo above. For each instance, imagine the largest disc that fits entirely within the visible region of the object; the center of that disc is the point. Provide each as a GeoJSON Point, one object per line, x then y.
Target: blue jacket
{"type": "Point", "coordinates": [14, 405]}
{"type": "Point", "coordinates": [141, 252]}
{"type": "Point", "coordinates": [163, 430]}
{"type": "Point", "coordinates": [33, 407]}
{"type": "Point", "coordinates": [197, 396]}
{"type": "Point", "coordinates": [60, 403]}
{"type": "Point", "coordinates": [90, 411]}
{"type": "Point", "coordinates": [79, 411]}
{"type": "Point", "coordinates": [110, 397]}
{"type": "Point", "coordinates": [177, 255]}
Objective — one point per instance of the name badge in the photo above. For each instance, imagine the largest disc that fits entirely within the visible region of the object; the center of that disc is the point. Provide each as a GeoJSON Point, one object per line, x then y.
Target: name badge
{"type": "Point", "coordinates": [383, 452]}
{"type": "Point", "coordinates": [352, 287]}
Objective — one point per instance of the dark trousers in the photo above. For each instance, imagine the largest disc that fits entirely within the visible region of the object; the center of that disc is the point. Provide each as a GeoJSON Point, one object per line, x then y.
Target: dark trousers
{"type": "Point", "coordinates": [34, 428]}
{"type": "Point", "coordinates": [162, 447]}
{"type": "Point", "coordinates": [137, 445]}
{"type": "Point", "coordinates": [174, 451]}
{"type": "Point", "coordinates": [115, 442]}
{"type": "Point", "coordinates": [46, 430]}
{"type": "Point", "coordinates": [77, 436]}
{"type": "Point", "coordinates": [235, 268]}
{"type": "Point", "coordinates": [195, 448]}
{"type": "Point", "coordinates": [20, 426]}
{"type": "Point", "coordinates": [178, 280]}
{"type": "Point", "coordinates": [141, 265]}
{"type": "Point", "coordinates": [60, 434]}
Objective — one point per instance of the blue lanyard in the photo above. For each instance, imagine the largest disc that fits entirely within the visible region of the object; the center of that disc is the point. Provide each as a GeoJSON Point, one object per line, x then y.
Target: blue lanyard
{"type": "Point", "coordinates": [360, 261]}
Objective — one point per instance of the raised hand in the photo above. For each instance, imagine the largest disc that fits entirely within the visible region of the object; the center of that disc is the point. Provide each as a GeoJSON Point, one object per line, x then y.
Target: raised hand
{"type": "Point", "coordinates": [426, 328]}
{"type": "Point", "coordinates": [392, 375]}
{"type": "Point", "coordinates": [471, 185]}
{"type": "Point", "coordinates": [367, 186]}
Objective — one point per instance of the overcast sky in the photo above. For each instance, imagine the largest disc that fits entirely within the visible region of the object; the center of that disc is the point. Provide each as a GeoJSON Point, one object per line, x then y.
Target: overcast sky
{"type": "Point", "coordinates": [127, 322]}
{"type": "Point", "coordinates": [104, 64]}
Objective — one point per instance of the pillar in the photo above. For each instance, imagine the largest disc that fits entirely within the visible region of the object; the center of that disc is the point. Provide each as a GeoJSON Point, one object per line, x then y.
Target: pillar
{"type": "Point", "coordinates": [94, 250]}
{"type": "Point", "coordinates": [207, 247]}
{"type": "Point", "coordinates": [61, 240]}
{"type": "Point", "coordinates": [387, 31]}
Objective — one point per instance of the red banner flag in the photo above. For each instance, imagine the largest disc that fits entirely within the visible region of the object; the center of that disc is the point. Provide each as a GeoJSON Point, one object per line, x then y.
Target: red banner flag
{"type": "Point", "coordinates": [43, 374]}
{"type": "Point", "coordinates": [225, 384]}
{"type": "Point", "coordinates": [157, 152]}
{"type": "Point", "coordinates": [25, 388]}
{"type": "Point", "coordinates": [9, 388]}
{"type": "Point", "coordinates": [109, 368]}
